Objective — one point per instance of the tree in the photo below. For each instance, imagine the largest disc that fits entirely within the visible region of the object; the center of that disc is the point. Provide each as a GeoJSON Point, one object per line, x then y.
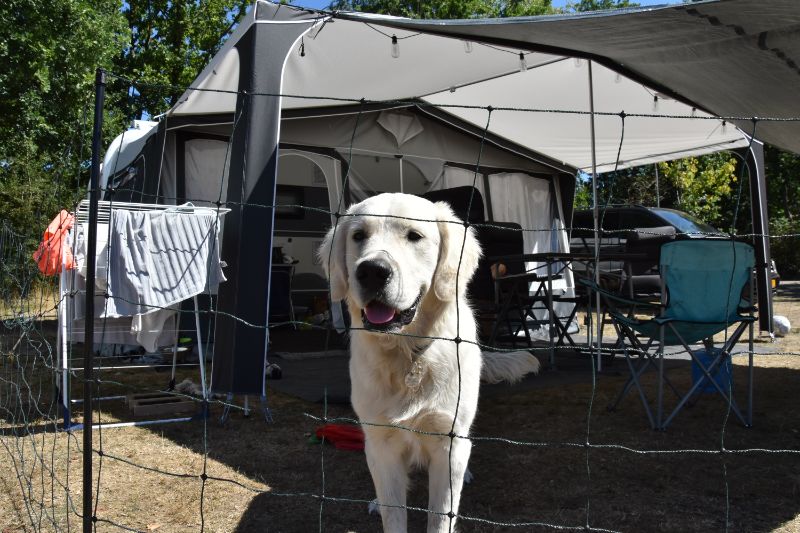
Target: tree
{"type": "Point", "coordinates": [598, 5]}
{"type": "Point", "coordinates": [447, 9]}
{"type": "Point", "coordinates": [170, 43]}
{"type": "Point", "coordinates": [49, 50]}
{"type": "Point", "coordinates": [632, 186]}
{"type": "Point", "coordinates": [783, 191]}
{"type": "Point", "coordinates": [702, 184]}
{"type": "Point", "coordinates": [783, 184]}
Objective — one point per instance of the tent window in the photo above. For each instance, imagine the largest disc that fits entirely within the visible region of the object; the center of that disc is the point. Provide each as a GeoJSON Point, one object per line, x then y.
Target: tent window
{"type": "Point", "coordinates": [301, 185]}
{"type": "Point", "coordinates": [289, 200]}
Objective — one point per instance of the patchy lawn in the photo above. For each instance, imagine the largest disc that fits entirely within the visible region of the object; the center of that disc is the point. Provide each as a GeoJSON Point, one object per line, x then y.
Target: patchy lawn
{"type": "Point", "coordinates": [529, 461]}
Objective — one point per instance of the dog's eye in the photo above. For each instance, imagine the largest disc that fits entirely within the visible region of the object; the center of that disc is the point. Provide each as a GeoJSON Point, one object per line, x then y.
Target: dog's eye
{"type": "Point", "coordinates": [359, 235]}
{"type": "Point", "coordinates": [413, 236]}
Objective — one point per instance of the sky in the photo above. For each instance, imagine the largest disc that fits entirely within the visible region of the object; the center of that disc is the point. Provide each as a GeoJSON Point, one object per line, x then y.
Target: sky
{"type": "Point", "coordinates": [322, 4]}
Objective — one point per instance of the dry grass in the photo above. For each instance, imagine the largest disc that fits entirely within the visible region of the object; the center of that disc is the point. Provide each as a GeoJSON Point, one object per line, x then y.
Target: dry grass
{"type": "Point", "coordinates": [268, 477]}
{"type": "Point", "coordinates": [41, 302]}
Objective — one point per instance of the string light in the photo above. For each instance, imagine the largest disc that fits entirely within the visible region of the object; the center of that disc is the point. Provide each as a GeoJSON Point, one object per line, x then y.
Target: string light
{"type": "Point", "coordinates": [523, 64]}
{"type": "Point", "coordinates": [618, 78]}
{"type": "Point", "coordinates": [578, 62]}
{"type": "Point", "coordinates": [468, 47]}
{"type": "Point", "coordinates": [655, 102]}
{"type": "Point", "coordinates": [395, 47]}
{"type": "Point", "coordinates": [302, 48]}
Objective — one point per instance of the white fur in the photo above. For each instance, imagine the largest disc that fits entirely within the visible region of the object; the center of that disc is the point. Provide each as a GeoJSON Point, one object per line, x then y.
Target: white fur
{"type": "Point", "coordinates": [508, 366]}
{"type": "Point", "coordinates": [447, 398]}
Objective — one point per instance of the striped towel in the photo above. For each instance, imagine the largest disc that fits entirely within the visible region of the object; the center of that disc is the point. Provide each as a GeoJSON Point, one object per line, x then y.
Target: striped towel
{"type": "Point", "coordinates": [159, 258]}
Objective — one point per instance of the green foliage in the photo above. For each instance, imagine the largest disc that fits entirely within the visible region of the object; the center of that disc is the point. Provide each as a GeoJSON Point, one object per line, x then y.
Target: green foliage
{"type": "Point", "coordinates": [170, 42]}
{"type": "Point", "coordinates": [583, 193]}
{"type": "Point", "coordinates": [598, 5]}
{"type": "Point", "coordinates": [463, 9]}
{"type": "Point", "coordinates": [784, 238]}
{"type": "Point", "coordinates": [702, 184]}
{"type": "Point", "coordinates": [50, 50]}
{"type": "Point", "coordinates": [633, 186]}
{"type": "Point", "coordinates": [447, 9]}
{"type": "Point", "coordinates": [783, 190]}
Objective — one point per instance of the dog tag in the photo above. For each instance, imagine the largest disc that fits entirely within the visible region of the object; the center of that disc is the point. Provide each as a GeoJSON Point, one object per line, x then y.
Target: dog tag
{"type": "Point", "coordinates": [414, 376]}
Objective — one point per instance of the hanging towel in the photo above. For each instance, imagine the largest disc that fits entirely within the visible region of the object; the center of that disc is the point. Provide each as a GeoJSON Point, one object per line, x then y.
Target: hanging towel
{"type": "Point", "coordinates": [52, 254]}
{"type": "Point", "coordinates": [159, 258]}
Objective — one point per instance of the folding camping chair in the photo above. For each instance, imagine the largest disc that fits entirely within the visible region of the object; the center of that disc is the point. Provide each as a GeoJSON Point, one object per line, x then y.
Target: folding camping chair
{"type": "Point", "coordinates": [702, 283]}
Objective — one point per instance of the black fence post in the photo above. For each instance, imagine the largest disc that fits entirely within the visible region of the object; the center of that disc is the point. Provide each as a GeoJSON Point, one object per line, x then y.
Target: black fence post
{"type": "Point", "coordinates": [88, 337]}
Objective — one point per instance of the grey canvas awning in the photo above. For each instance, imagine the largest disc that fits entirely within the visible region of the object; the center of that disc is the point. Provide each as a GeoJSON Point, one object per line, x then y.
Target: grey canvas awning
{"type": "Point", "coordinates": [726, 58]}
{"type": "Point", "coordinates": [732, 58]}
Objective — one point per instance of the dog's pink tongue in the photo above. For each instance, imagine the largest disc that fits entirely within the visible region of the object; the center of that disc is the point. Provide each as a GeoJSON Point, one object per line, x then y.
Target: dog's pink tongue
{"type": "Point", "coordinates": [378, 313]}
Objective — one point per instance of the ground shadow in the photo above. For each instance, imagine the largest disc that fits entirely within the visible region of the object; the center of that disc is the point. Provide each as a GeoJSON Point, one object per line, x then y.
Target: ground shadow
{"type": "Point", "coordinates": [530, 465]}
{"type": "Point", "coordinates": [530, 459]}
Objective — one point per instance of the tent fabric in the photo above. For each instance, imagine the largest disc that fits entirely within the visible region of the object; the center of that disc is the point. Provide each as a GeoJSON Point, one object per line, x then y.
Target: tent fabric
{"type": "Point", "coordinates": [363, 134]}
{"type": "Point", "coordinates": [635, 56]}
{"type": "Point", "coordinates": [206, 166]}
{"type": "Point", "coordinates": [285, 70]}
{"type": "Point", "coordinates": [563, 130]}
{"type": "Point", "coordinates": [732, 58]}
{"type": "Point", "coordinates": [403, 126]}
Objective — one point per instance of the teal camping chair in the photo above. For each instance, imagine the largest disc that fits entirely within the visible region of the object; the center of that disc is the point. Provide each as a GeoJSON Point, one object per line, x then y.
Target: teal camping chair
{"type": "Point", "coordinates": [702, 283]}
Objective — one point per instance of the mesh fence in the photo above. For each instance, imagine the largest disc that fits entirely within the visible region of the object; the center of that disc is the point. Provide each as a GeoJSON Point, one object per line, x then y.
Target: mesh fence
{"type": "Point", "coordinates": [548, 457]}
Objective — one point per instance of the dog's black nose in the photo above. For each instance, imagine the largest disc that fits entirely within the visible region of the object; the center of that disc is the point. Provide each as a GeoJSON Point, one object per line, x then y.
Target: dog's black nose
{"type": "Point", "coordinates": [373, 275]}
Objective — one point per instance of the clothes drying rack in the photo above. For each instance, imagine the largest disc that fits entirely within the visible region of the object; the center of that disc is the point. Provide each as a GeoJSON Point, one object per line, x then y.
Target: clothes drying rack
{"type": "Point", "coordinates": [65, 331]}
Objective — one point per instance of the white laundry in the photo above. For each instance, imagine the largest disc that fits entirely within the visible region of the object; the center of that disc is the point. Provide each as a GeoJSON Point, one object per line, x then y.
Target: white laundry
{"type": "Point", "coordinates": [159, 258]}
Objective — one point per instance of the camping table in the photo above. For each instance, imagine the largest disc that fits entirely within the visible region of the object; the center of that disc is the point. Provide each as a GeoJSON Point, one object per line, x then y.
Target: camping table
{"type": "Point", "coordinates": [546, 284]}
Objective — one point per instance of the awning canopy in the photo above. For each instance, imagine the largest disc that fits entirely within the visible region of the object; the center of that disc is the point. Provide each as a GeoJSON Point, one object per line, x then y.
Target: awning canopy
{"type": "Point", "coordinates": [659, 75]}
{"type": "Point", "coordinates": [652, 80]}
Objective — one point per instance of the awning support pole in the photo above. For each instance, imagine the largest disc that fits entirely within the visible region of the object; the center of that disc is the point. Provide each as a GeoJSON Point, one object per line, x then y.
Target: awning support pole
{"type": "Point", "coordinates": [754, 159]}
{"type": "Point", "coordinates": [596, 217]}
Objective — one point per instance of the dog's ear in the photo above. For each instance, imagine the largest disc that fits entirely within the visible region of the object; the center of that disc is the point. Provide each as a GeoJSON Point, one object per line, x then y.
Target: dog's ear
{"type": "Point", "coordinates": [331, 256]}
{"type": "Point", "coordinates": [458, 254]}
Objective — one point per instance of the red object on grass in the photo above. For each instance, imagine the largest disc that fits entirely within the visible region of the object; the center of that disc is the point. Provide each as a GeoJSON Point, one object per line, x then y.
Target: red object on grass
{"type": "Point", "coordinates": [344, 437]}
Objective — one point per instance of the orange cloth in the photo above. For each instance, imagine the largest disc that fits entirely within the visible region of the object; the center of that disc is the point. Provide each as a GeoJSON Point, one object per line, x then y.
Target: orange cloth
{"type": "Point", "coordinates": [48, 255]}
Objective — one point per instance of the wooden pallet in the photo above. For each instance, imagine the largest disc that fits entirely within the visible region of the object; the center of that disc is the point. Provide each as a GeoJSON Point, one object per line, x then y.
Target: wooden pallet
{"type": "Point", "coordinates": [159, 404]}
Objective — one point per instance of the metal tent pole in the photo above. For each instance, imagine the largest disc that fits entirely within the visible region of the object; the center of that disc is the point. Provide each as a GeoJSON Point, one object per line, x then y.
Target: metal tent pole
{"type": "Point", "coordinates": [754, 159]}
{"type": "Point", "coordinates": [596, 217]}
{"type": "Point", "coordinates": [88, 339]}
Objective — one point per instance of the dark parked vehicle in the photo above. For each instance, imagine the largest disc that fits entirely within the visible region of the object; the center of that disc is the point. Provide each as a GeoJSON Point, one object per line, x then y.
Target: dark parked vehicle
{"type": "Point", "coordinates": [619, 225]}
{"type": "Point", "coordinates": [616, 220]}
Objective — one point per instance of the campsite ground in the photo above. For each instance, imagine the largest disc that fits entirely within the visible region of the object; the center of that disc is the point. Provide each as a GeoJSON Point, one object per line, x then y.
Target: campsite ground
{"type": "Point", "coordinates": [529, 461]}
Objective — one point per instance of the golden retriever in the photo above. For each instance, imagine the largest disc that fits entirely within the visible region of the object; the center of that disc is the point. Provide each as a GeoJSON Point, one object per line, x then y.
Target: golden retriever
{"type": "Point", "coordinates": [402, 264]}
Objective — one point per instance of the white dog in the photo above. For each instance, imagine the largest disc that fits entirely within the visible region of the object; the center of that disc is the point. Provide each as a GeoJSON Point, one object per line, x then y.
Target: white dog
{"type": "Point", "coordinates": [415, 366]}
